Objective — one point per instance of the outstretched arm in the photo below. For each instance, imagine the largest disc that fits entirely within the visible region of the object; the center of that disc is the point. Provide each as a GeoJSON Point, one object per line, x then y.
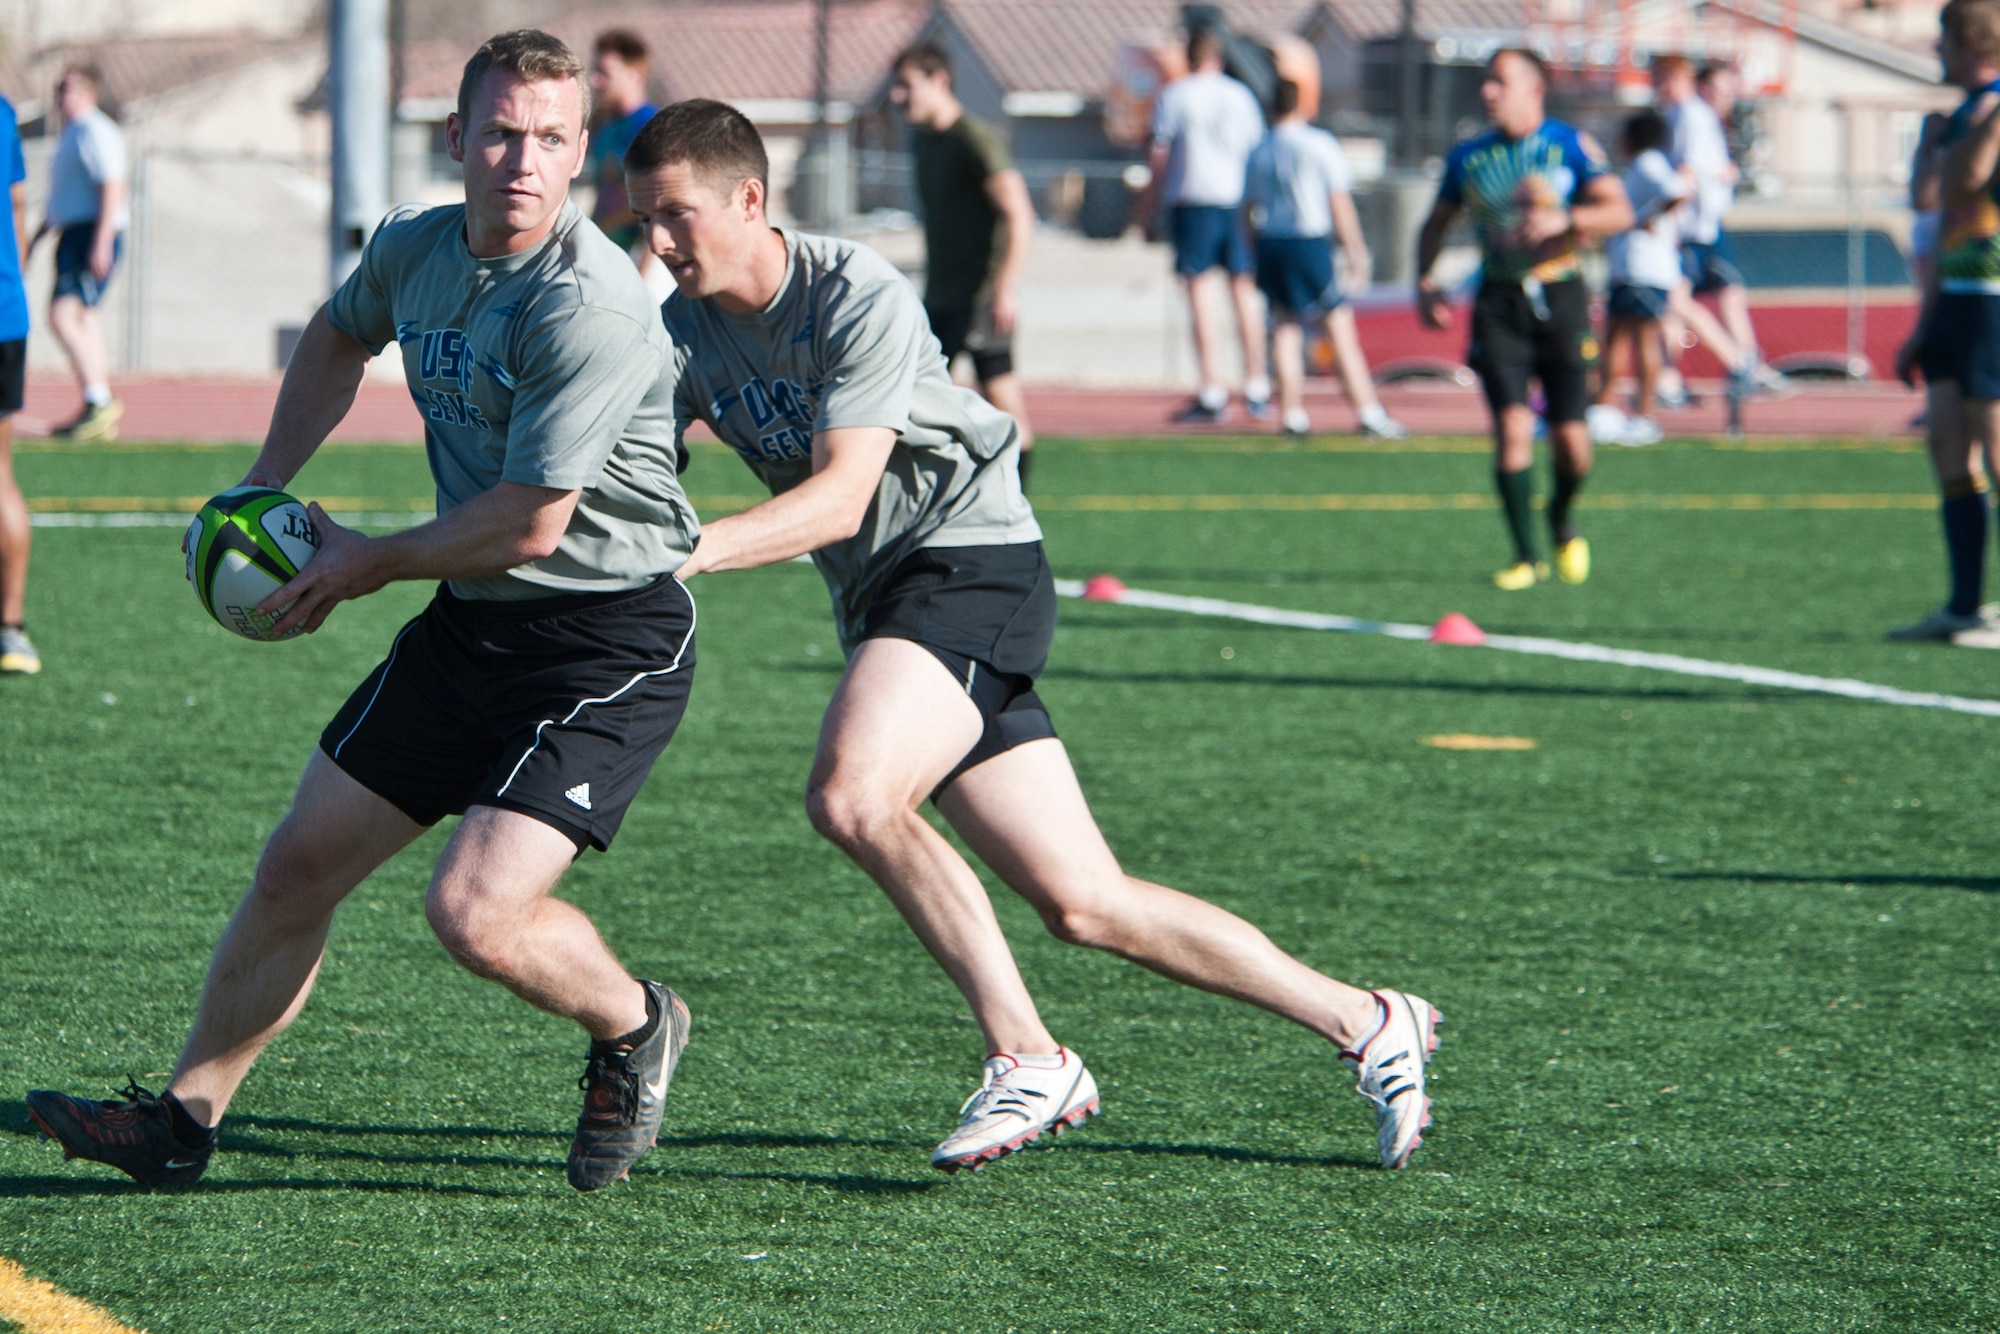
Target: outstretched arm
{"type": "Point", "coordinates": [827, 507]}
{"type": "Point", "coordinates": [320, 383]}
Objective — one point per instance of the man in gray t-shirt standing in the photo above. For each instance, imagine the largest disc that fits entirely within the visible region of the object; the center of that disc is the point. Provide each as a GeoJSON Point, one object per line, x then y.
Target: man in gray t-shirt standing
{"type": "Point", "coordinates": [87, 211]}
{"type": "Point", "coordinates": [534, 693]}
{"type": "Point", "coordinates": [811, 358]}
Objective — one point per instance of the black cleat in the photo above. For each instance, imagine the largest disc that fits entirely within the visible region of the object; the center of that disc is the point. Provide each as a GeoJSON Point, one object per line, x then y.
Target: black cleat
{"type": "Point", "coordinates": [625, 1095]}
{"type": "Point", "coordinates": [134, 1134]}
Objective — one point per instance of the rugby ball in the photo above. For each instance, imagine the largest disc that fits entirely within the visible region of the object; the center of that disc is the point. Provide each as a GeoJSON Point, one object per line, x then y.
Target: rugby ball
{"type": "Point", "coordinates": [242, 547]}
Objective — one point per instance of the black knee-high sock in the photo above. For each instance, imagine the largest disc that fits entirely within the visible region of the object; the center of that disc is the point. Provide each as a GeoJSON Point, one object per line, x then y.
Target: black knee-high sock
{"type": "Point", "coordinates": [1567, 485]}
{"type": "Point", "coordinates": [1517, 503]}
{"type": "Point", "coordinates": [1964, 511]}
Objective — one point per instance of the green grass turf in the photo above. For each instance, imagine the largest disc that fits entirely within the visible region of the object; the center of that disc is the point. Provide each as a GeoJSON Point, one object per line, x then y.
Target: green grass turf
{"type": "Point", "coordinates": [1717, 959]}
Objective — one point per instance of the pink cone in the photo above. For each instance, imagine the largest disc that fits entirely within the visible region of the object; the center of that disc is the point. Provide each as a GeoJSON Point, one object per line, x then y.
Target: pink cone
{"type": "Point", "coordinates": [1104, 588]}
{"type": "Point", "coordinates": [1454, 627]}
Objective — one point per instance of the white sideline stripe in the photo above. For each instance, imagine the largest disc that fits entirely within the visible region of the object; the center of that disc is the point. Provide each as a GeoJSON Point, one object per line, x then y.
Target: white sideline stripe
{"type": "Point", "coordinates": [1554, 648]}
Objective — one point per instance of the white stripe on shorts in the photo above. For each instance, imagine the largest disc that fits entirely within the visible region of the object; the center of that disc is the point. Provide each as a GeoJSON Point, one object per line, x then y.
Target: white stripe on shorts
{"type": "Point", "coordinates": [667, 670]}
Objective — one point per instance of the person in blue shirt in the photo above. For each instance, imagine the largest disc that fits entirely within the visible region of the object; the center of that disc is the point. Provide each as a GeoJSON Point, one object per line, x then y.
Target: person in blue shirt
{"type": "Point", "coordinates": [620, 71]}
{"type": "Point", "coordinates": [17, 654]}
{"type": "Point", "coordinates": [1536, 191]}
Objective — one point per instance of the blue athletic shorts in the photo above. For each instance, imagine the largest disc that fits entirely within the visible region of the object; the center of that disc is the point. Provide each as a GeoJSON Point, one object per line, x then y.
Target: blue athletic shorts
{"type": "Point", "coordinates": [1295, 274]}
{"type": "Point", "coordinates": [1710, 265]}
{"type": "Point", "coordinates": [1628, 301]}
{"type": "Point", "coordinates": [1962, 344]}
{"type": "Point", "coordinates": [73, 275]}
{"type": "Point", "coordinates": [1207, 238]}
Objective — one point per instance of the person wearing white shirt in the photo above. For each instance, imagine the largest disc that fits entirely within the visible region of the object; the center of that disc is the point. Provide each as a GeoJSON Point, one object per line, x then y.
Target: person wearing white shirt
{"type": "Point", "coordinates": [86, 209]}
{"type": "Point", "coordinates": [1298, 198]}
{"type": "Point", "coordinates": [1696, 110]}
{"type": "Point", "coordinates": [1645, 272]}
{"type": "Point", "coordinates": [1204, 128]}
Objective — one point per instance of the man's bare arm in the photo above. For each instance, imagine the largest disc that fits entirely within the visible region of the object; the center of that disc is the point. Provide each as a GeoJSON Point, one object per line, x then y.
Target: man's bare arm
{"type": "Point", "coordinates": [1970, 163]}
{"type": "Point", "coordinates": [493, 532]}
{"type": "Point", "coordinates": [1009, 193]}
{"type": "Point", "coordinates": [1347, 226]}
{"type": "Point", "coordinates": [319, 387]}
{"type": "Point", "coordinates": [1430, 243]}
{"type": "Point", "coordinates": [827, 507]}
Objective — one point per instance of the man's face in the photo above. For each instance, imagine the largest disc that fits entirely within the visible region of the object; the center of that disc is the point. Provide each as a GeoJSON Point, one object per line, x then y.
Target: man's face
{"type": "Point", "coordinates": [74, 96]}
{"type": "Point", "coordinates": [1719, 91]}
{"type": "Point", "coordinates": [1674, 86]}
{"type": "Point", "coordinates": [521, 145]}
{"type": "Point", "coordinates": [617, 85]}
{"type": "Point", "coordinates": [705, 237]}
{"type": "Point", "coordinates": [1511, 93]}
{"type": "Point", "coordinates": [923, 97]}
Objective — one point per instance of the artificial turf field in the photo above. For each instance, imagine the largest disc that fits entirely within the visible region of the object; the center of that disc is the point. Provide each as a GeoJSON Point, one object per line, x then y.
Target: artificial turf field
{"type": "Point", "coordinates": [1718, 960]}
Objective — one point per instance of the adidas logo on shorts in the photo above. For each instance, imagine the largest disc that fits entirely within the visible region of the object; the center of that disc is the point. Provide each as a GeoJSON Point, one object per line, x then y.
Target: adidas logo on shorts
{"type": "Point", "coordinates": [580, 794]}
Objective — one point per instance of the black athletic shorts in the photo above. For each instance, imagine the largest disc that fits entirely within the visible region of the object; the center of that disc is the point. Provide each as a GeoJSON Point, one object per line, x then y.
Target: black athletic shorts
{"type": "Point", "coordinates": [989, 615]}
{"type": "Point", "coordinates": [1513, 342]}
{"type": "Point", "coordinates": [1962, 344]}
{"type": "Point", "coordinates": [13, 375]}
{"type": "Point", "coordinates": [553, 707]}
{"type": "Point", "coordinates": [970, 329]}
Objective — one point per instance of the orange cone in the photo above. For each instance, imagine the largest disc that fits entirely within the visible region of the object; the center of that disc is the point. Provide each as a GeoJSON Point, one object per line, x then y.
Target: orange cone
{"type": "Point", "coordinates": [1104, 588]}
{"type": "Point", "coordinates": [1454, 627]}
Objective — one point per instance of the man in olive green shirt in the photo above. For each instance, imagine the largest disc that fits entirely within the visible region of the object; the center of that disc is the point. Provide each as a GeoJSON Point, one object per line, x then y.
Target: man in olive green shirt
{"type": "Point", "coordinates": [977, 223]}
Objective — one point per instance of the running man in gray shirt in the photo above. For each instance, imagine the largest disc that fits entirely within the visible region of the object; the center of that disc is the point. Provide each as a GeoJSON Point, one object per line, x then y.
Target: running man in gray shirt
{"type": "Point", "coordinates": [534, 693]}
{"type": "Point", "coordinates": [812, 359]}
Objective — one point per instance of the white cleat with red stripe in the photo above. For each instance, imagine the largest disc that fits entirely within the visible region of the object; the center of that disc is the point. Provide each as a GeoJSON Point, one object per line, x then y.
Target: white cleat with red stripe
{"type": "Point", "coordinates": [1014, 1105]}
{"type": "Point", "coordinates": [1390, 1070]}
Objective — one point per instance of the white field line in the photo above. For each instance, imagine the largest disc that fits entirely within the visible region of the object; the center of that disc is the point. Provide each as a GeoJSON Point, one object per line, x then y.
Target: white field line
{"type": "Point", "coordinates": [1554, 648]}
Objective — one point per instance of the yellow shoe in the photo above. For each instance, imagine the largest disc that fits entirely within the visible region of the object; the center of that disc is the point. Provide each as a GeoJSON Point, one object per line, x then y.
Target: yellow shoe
{"type": "Point", "coordinates": [1521, 574]}
{"type": "Point", "coordinates": [97, 421]}
{"type": "Point", "coordinates": [1573, 561]}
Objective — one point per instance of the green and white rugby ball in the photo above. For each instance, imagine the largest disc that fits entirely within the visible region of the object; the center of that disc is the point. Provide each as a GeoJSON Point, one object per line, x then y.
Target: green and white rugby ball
{"type": "Point", "coordinates": [242, 547]}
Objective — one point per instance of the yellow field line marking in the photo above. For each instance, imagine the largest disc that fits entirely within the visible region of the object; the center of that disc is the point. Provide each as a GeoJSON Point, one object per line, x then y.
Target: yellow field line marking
{"type": "Point", "coordinates": [1474, 741]}
{"type": "Point", "coordinates": [43, 1308]}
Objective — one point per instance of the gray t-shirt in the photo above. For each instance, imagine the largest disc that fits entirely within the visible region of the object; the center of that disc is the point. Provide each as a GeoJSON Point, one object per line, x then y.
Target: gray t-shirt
{"type": "Point", "coordinates": [547, 368]}
{"type": "Point", "coordinates": [845, 343]}
{"type": "Point", "coordinates": [1291, 180]}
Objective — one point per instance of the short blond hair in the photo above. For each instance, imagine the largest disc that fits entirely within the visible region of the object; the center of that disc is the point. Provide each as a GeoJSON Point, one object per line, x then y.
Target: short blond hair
{"type": "Point", "coordinates": [531, 56]}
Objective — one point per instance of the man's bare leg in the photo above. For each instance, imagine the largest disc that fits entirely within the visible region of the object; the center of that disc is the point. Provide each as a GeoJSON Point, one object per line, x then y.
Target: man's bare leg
{"type": "Point", "coordinates": [15, 534]}
{"type": "Point", "coordinates": [1025, 816]}
{"type": "Point", "coordinates": [1249, 304]}
{"type": "Point", "coordinates": [1288, 362]}
{"type": "Point", "coordinates": [1201, 317]}
{"type": "Point", "coordinates": [896, 726]}
{"type": "Point", "coordinates": [336, 833]}
{"type": "Point", "coordinates": [490, 905]}
{"type": "Point", "coordinates": [1730, 351]}
{"type": "Point", "coordinates": [1733, 302]}
{"type": "Point", "coordinates": [81, 335]}
{"type": "Point", "coordinates": [1350, 362]}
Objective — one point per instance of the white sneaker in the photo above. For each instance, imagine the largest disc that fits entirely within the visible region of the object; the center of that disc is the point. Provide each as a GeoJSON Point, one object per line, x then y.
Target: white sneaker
{"type": "Point", "coordinates": [1982, 636]}
{"type": "Point", "coordinates": [1014, 1104]}
{"type": "Point", "coordinates": [1605, 423]}
{"type": "Point", "coordinates": [1383, 427]}
{"type": "Point", "coordinates": [1639, 432]}
{"type": "Point", "coordinates": [1940, 624]}
{"type": "Point", "coordinates": [1389, 1069]}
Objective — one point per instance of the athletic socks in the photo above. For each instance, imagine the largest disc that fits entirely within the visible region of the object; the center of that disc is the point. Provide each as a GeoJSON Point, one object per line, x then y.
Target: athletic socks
{"type": "Point", "coordinates": [1298, 423]}
{"type": "Point", "coordinates": [630, 1041]}
{"type": "Point", "coordinates": [1567, 485]}
{"type": "Point", "coordinates": [97, 395]}
{"type": "Point", "coordinates": [1517, 504]}
{"type": "Point", "coordinates": [191, 1133]}
{"type": "Point", "coordinates": [1213, 397]}
{"type": "Point", "coordinates": [1052, 1061]}
{"type": "Point", "coordinates": [1374, 415]}
{"type": "Point", "coordinates": [1964, 512]}
{"type": "Point", "coordinates": [1257, 390]}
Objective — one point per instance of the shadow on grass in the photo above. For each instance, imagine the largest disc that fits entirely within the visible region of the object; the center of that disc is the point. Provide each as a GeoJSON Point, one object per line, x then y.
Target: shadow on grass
{"type": "Point", "coordinates": [1220, 1153]}
{"type": "Point", "coordinates": [846, 1183]}
{"type": "Point", "coordinates": [1983, 884]}
{"type": "Point", "coordinates": [65, 1187]}
{"type": "Point", "coordinates": [1335, 682]}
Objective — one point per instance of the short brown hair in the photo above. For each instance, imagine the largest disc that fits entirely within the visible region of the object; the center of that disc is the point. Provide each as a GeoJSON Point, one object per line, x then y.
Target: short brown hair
{"type": "Point", "coordinates": [1670, 64]}
{"type": "Point", "coordinates": [926, 58]}
{"type": "Point", "coordinates": [627, 45]}
{"type": "Point", "coordinates": [1973, 25]}
{"type": "Point", "coordinates": [530, 55]}
{"type": "Point", "coordinates": [1533, 60]}
{"type": "Point", "coordinates": [713, 138]}
{"type": "Point", "coordinates": [86, 71]}
{"type": "Point", "coordinates": [1203, 44]}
